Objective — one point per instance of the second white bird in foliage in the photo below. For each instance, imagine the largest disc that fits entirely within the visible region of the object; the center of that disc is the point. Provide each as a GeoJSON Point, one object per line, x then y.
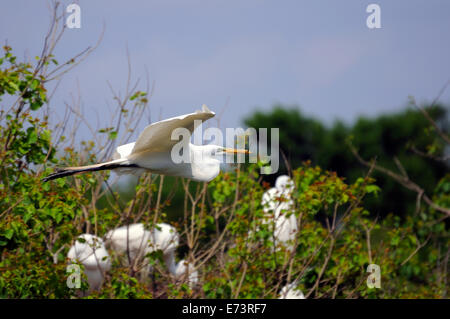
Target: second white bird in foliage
{"type": "Point", "coordinates": [139, 242]}
{"type": "Point", "coordinates": [90, 251]}
{"type": "Point", "coordinates": [290, 291]}
{"type": "Point", "coordinates": [278, 204]}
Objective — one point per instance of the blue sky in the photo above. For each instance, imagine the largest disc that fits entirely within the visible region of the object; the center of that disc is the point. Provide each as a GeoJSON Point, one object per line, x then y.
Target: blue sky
{"type": "Point", "coordinates": [317, 54]}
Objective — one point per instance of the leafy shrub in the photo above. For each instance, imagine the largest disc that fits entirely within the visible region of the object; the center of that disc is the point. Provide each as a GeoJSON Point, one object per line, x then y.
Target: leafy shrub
{"type": "Point", "coordinates": [222, 222]}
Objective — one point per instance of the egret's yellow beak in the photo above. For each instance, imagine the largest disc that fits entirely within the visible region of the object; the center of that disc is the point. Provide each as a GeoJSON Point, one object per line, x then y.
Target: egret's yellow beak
{"type": "Point", "coordinates": [235, 151]}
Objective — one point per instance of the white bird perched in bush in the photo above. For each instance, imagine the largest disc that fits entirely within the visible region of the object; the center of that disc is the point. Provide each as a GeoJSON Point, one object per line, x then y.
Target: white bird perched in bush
{"type": "Point", "coordinates": [166, 238]}
{"type": "Point", "coordinates": [133, 240]}
{"type": "Point", "coordinates": [290, 291]}
{"type": "Point", "coordinates": [141, 242]}
{"type": "Point", "coordinates": [277, 204]}
{"type": "Point", "coordinates": [182, 270]}
{"type": "Point", "coordinates": [138, 241]}
{"type": "Point", "coordinates": [279, 195]}
{"type": "Point", "coordinates": [90, 251]}
{"type": "Point", "coordinates": [153, 152]}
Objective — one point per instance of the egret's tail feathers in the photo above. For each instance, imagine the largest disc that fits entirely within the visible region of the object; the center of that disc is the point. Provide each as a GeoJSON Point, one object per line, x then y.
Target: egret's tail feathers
{"type": "Point", "coordinates": [68, 171]}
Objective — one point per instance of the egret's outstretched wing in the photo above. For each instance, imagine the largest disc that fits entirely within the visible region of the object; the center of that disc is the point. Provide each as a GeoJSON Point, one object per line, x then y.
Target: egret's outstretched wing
{"type": "Point", "coordinates": [156, 137]}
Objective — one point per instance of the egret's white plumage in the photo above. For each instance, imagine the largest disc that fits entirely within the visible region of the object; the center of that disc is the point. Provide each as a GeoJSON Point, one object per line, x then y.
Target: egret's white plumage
{"type": "Point", "coordinates": [122, 152]}
{"type": "Point", "coordinates": [280, 195]}
{"type": "Point", "coordinates": [182, 270]}
{"type": "Point", "coordinates": [269, 202]}
{"type": "Point", "coordinates": [167, 239]}
{"type": "Point", "coordinates": [141, 242]}
{"type": "Point", "coordinates": [284, 183]}
{"type": "Point", "coordinates": [132, 239]}
{"type": "Point", "coordinates": [290, 291]}
{"type": "Point", "coordinates": [92, 254]}
{"type": "Point", "coordinates": [152, 152]}
{"type": "Point", "coordinates": [285, 226]}
{"type": "Point", "coordinates": [278, 204]}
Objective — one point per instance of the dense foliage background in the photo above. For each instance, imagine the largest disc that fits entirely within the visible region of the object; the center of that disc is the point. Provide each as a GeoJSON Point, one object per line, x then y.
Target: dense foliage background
{"type": "Point", "coordinates": [350, 212]}
{"type": "Point", "coordinates": [385, 138]}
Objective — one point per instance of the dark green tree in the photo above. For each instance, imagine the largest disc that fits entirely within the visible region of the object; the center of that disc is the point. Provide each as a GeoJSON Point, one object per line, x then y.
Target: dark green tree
{"type": "Point", "coordinates": [391, 139]}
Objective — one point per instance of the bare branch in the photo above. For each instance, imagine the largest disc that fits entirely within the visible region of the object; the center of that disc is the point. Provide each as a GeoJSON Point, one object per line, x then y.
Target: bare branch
{"type": "Point", "coordinates": [404, 181]}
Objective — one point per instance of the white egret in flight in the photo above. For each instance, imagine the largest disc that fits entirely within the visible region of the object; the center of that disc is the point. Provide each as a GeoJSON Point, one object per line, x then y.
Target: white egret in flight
{"type": "Point", "coordinates": [152, 152]}
{"type": "Point", "coordinates": [90, 251]}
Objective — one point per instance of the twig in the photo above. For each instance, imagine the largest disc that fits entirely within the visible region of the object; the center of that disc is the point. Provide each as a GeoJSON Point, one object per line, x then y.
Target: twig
{"type": "Point", "coordinates": [419, 246]}
{"type": "Point", "coordinates": [444, 136]}
{"type": "Point", "coordinates": [405, 181]}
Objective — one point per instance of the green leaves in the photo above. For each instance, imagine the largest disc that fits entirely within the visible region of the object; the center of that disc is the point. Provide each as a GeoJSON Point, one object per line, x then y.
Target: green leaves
{"type": "Point", "coordinates": [39, 221]}
{"type": "Point", "coordinates": [113, 135]}
{"type": "Point", "coordinates": [8, 233]}
{"type": "Point", "coordinates": [372, 189]}
{"type": "Point", "coordinates": [18, 79]}
{"type": "Point", "coordinates": [32, 136]}
{"type": "Point", "coordinates": [138, 94]}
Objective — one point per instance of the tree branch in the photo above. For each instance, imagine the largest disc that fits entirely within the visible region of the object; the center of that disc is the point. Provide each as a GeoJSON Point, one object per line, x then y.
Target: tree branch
{"type": "Point", "coordinates": [403, 180]}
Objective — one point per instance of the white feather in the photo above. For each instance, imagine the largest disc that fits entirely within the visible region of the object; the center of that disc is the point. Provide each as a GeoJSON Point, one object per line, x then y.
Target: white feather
{"type": "Point", "coordinates": [92, 254]}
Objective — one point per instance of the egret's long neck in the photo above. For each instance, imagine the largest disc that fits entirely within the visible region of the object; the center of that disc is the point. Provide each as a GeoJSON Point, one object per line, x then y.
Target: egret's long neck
{"type": "Point", "coordinates": [169, 259]}
{"type": "Point", "coordinates": [204, 166]}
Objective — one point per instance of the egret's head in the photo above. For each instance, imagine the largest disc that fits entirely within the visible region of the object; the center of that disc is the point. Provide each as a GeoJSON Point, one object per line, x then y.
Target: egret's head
{"type": "Point", "coordinates": [206, 160]}
{"type": "Point", "coordinates": [284, 182]}
{"type": "Point", "coordinates": [89, 240]}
